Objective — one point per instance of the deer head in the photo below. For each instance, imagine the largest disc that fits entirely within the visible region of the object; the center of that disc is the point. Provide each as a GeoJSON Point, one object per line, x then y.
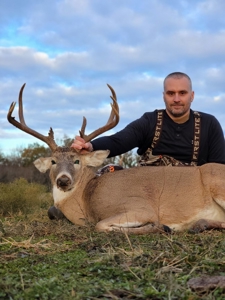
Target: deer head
{"type": "Point", "coordinates": [66, 164]}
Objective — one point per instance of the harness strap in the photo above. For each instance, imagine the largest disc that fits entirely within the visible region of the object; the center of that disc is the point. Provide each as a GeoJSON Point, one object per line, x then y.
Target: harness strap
{"type": "Point", "coordinates": [196, 140]}
{"type": "Point", "coordinates": [158, 128]}
{"type": "Point", "coordinates": [197, 130]}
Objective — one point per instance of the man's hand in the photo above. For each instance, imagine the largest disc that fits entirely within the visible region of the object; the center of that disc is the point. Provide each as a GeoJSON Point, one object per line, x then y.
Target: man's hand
{"type": "Point", "coordinates": [80, 144]}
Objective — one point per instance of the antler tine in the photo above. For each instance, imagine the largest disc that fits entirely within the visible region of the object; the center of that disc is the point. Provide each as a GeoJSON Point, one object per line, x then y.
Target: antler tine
{"type": "Point", "coordinates": [111, 123]}
{"type": "Point", "coordinates": [115, 108]}
{"type": "Point", "coordinates": [21, 117]}
{"type": "Point", "coordinates": [82, 134]}
{"type": "Point", "coordinates": [49, 140]}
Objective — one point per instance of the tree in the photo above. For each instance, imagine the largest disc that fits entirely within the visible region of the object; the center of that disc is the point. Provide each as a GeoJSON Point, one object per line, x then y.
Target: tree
{"type": "Point", "coordinates": [12, 159]}
{"type": "Point", "coordinates": [33, 152]}
{"type": "Point", "coordinates": [2, 157]}
{"type": "Point", "coordinates": [65, 141]}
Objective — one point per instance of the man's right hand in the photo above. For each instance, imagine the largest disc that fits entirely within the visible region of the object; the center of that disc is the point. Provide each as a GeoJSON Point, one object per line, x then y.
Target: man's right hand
{"type": "Point", "coordinates": [80, 144]}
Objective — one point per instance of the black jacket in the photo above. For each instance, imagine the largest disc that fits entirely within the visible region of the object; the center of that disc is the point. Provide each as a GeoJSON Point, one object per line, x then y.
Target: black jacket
{"type": "Point", "coordinates": [176, 140]}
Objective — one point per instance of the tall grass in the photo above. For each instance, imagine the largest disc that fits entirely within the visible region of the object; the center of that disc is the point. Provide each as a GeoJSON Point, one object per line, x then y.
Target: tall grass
{"type": "Point", "coordinates": [21, 196]}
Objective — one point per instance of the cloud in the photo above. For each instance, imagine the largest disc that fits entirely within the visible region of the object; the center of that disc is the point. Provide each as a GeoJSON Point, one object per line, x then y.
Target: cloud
{"type": "Point", "coordinates": [68, 50]}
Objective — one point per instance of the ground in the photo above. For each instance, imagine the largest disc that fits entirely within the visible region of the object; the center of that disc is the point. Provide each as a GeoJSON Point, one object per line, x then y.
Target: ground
{"type": "Point", "coordinates": [44, 259]}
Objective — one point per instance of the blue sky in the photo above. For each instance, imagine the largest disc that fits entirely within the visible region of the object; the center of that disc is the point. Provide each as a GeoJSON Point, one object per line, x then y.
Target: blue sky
{"type": "Point", "coordinates": [66, 51]}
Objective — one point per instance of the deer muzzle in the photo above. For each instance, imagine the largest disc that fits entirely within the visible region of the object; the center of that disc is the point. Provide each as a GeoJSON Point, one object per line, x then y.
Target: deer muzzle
{"type": "Point", "coordinates": [63, 182]}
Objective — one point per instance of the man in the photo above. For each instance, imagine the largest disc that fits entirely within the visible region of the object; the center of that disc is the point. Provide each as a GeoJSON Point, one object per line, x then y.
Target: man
{"type": "Point", "coordinates": [176, 135]}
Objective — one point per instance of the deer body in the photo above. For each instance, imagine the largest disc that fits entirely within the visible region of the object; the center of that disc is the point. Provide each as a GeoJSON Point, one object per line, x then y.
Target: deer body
{"type": "Point", "coordinates": [139, 199]}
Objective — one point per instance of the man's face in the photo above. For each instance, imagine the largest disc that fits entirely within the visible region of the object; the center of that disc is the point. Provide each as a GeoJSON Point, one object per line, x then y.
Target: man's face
{"type": "Point", "coordinates": [178, 96]}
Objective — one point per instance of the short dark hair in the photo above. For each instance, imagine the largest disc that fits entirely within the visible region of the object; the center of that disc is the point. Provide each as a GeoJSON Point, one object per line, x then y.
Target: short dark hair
{"type": "Point", "coordinates": [177, 75]}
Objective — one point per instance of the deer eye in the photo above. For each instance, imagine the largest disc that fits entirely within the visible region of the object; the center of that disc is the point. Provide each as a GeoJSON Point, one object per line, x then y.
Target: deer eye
{"type": "Point", "coordinates": [77, 162]}
{"type": "Point", "coordinates": [53, 162]}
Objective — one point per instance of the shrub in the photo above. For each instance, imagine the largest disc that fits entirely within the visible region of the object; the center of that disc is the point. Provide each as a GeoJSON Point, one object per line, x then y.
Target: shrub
{"type": "Point", "coordinates": [21, 196]}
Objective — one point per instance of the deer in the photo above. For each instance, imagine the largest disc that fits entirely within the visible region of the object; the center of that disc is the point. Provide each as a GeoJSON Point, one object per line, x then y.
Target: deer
{"type": "Point", "coordinates": [137, 200]}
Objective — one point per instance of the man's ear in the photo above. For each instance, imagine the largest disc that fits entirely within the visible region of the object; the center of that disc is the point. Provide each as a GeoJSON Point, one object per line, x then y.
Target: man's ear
{"type": "Point", "coordinates": [192, 96]}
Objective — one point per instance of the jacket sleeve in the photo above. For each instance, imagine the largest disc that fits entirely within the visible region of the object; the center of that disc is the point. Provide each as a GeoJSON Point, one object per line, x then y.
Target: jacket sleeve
{"type": "Point", "coordinates": [135, 134]}
{"type": "Point", "coordinates": [216, 143]}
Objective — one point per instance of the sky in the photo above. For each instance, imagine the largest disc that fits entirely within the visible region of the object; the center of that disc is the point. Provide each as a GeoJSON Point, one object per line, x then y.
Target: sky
{"type": "Point", "coordinates": [66, 51]}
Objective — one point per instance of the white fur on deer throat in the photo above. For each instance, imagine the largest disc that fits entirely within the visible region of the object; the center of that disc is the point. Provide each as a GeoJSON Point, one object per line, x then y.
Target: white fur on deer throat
{"type": "Point", "coordinates": [58, 194]}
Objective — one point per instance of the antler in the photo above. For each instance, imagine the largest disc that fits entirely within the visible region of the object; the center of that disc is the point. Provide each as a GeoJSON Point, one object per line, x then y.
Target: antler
{"type": "Point", "coordinates": [112, 121]}
{"type": "Point", "coordinates": [22, 125]}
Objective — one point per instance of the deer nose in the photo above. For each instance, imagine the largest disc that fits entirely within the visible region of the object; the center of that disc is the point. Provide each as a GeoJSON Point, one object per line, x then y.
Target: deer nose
{"type": "Point", "coordinates": [63, 181]}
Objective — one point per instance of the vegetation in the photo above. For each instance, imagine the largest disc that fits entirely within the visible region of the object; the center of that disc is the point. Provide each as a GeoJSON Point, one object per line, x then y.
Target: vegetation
{"type": "Point", "coordinates": [66, 262]}
{"type": "Point", "coordinates": [20, 196]}
{"type": "Point", "coordinates": [44, 259]}
{"type": "Point", "coordinates": [20, 164]}
{"type": "Point", "coordinates": [127, 160]}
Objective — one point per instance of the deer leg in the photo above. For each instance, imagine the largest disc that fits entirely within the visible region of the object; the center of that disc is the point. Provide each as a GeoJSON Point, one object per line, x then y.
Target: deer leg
{"type": "Point", "coordinates": [122, 223]}
{"type": "Point", "coordinates": [147, 228]}
{"type": "Point", "coordinates": [55, 214]}
{"type": "Point", "coordinates": [204, 224]}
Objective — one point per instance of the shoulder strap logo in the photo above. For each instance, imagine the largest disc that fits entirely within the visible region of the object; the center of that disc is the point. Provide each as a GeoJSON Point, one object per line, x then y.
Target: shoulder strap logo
{"type": "Point", "coordinates": [196, 140]}
{"type": "Point", "coordinates": [158, 128]}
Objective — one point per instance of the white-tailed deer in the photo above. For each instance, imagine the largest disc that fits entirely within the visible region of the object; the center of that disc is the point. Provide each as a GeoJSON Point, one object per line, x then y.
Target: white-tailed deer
{"type": "Point", "coordinates": [137, 200]}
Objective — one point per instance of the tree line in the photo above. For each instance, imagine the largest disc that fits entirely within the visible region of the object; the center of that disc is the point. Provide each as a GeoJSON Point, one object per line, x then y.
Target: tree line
{"type": "Point", "coordinates": [19, 164]}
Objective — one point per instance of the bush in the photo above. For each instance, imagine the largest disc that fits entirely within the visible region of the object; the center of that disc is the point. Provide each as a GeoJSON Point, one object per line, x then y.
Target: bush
{"type": "Point", "coordinates": [21, 196]}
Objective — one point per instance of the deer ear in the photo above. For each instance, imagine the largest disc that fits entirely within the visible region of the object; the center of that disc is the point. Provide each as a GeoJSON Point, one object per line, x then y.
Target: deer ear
{"type": "Point", "coordinates": [96, 158]}
{"type": "Point", "coordinates": [43, 164]}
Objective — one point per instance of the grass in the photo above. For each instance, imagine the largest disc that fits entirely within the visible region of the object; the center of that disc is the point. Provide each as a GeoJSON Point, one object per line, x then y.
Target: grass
{"type": "Point", "coordinates": [43, 259]}
{"type": "Point", "coordinates": [20, 195]}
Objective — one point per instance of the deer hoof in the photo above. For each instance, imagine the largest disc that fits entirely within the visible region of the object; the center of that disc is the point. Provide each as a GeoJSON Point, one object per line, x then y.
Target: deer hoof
{"type": "Point", "coordinates": [167, 229]}
{"type": "Point", "coordinates": [55, 214]}
{"type": "Point", "coordinates": [199, 226]}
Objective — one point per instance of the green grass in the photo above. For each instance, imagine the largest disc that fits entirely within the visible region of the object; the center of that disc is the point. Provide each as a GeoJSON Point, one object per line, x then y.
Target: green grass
{"type": "Point", "coordinates": [43, 259]}
{"type": "Point", "coordinates": [63, 261]}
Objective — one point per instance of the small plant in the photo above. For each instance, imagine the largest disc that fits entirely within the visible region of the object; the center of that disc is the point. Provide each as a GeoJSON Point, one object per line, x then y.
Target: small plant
{"type": "Point", "coordinates": [21, 196]}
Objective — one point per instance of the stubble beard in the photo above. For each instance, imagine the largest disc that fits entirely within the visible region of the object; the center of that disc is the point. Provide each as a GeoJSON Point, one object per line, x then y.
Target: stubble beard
{"type": "Point", "coordinates": [176, 113]}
